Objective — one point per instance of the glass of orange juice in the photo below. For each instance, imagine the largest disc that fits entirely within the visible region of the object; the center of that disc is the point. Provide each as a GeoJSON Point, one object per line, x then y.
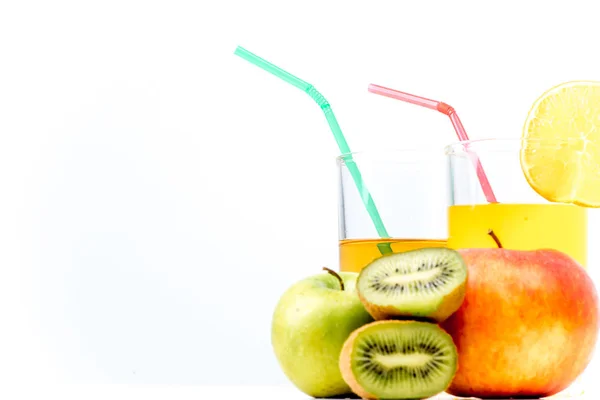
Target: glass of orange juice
{"type": "Point", "coordinates": [521, 219]}
{"type": "Point", "coordinates": [409, 190]}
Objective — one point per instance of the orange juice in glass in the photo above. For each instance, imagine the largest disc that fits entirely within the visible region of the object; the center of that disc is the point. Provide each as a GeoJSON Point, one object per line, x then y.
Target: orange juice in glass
{"type": "Point", "coordinates": [521, 218]}
{"type": "Point", "coordinates": [408, 188]}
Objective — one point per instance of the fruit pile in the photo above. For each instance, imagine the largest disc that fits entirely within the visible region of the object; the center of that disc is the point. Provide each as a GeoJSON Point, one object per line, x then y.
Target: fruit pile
{"type": "Point", "coordinates": [490, 323]}
{"type": "Point", "coordinates": [471, 322]}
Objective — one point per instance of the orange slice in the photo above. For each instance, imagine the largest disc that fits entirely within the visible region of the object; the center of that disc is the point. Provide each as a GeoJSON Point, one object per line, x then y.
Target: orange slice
{"type": "Point", "coordinates": [560, 154]}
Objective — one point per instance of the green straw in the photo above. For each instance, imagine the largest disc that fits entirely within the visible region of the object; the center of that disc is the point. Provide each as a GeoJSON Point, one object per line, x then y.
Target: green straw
{"type": "Point", "coordinates": [337, 134]}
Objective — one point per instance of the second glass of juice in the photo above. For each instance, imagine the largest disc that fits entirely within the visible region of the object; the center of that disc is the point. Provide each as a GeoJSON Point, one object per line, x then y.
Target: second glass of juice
{"type": "Point", "coordinates": [521, 219]}
{"type": "Point", "coordinates": [408, 189]}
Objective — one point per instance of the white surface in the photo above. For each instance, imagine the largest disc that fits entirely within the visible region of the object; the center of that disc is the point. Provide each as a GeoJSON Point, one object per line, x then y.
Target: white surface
{"type": "Point", "coordinates": [158, 193]}
{"type": "Point", "coordinates": [157, 392]}
{"type": "Point", "coordinates": [181, 392]}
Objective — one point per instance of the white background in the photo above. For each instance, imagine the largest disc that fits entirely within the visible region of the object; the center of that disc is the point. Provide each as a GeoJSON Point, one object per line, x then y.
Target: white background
{"type": "Point", "coordinates": [158, 193]}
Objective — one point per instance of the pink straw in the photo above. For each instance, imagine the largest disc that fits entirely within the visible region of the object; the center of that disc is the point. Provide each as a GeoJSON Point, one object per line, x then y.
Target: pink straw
{"type": "Point", "coordinates": [458, 127]}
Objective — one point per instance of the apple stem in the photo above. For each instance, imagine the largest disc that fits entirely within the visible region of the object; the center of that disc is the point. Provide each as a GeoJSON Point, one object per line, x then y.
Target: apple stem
{"type": "Point", "coordinates": [339, 278]}
{"type": "Point", "coordinates": [493, 235]}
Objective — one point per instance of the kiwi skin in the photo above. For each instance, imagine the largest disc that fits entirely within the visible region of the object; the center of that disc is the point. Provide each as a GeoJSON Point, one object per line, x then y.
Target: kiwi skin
{"type": "Point", "coordinates": [346, 358]}
{"type": "Point", "coordinates": [430, 312]}
{"type": "Point", "coordinates": [346, 363]}
{"type": "Point", "coordinates": [444, 309]}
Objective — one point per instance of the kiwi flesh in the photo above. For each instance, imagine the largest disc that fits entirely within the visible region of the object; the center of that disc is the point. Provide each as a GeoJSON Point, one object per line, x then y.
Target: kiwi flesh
{"type": "Point", "coordinates": [425, 284]}
{"type": "Point", "coordinates": [398, 360]}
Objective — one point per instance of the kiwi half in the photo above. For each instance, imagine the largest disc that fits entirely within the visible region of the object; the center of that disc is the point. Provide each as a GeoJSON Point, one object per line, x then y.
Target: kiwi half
{"type": "Point", "coordinates": [398, 360]}
{"type": "Point", "coordinates": [426, 284]}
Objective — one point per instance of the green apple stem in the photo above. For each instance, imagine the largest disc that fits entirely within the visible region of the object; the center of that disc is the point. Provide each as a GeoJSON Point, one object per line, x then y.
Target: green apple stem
{"type": "Point", "coordinates": [493, 235]}
{"type": "Point", "coordinates": [339, 278]}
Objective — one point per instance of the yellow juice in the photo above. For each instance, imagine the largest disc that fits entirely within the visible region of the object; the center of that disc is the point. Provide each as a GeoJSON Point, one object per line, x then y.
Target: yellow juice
{"type": "Point", "coordinates": [355, 254]}
{"type": "Point", "coordinates": [521, 227]}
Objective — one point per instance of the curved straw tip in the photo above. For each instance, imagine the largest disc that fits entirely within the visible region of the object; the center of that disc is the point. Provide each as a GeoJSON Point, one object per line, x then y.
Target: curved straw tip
{"type": "Point", "coordinates": [372, 87]}
{"type": "Point", "coordinates": [238, 50]}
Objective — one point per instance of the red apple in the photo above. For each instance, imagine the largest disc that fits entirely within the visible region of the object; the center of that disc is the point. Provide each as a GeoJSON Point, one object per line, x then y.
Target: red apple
{"type": "Point", "coordinates": [527, 327]}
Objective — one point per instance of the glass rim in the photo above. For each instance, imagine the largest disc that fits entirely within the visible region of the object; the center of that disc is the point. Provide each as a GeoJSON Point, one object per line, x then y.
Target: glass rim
{"type": "Point", "coordinates": [425, 149]}
{"type": "Point", "coordinates": [487, 144]}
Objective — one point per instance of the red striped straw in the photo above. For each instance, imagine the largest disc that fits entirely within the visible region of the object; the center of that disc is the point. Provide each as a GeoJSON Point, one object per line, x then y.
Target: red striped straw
{"type": "Point", "coordinates": [458, 127]}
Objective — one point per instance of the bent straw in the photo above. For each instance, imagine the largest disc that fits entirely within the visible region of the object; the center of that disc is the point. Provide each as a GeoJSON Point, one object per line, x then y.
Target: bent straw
{"type": "Point", "coordinates": [458, 127]}
{"type": "Point", "coordinates": [337, 134]}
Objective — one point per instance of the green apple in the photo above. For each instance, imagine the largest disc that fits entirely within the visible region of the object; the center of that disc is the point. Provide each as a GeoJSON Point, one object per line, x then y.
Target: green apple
{"type": "Point", "coordinates": [310, 324]}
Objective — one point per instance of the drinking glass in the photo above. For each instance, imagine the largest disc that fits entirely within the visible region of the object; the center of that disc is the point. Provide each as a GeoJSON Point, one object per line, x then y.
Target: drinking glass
{"type": "Point", "coordinates": [521, 219]}
{"type": "Point", "coordinates": [409, 189]}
